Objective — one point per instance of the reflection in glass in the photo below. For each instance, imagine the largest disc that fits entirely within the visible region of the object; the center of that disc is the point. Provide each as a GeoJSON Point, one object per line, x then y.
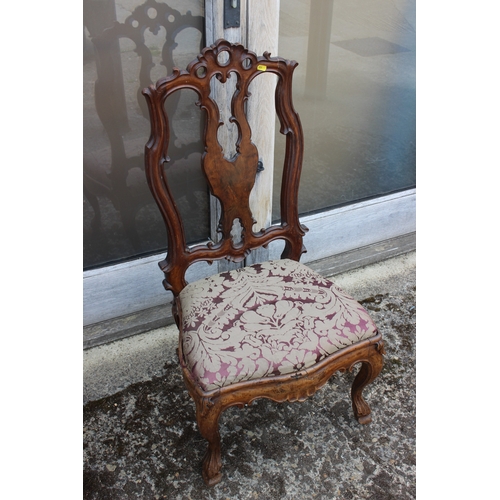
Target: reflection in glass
{"type": "Point", "coordinates": [128, 44]}
{"type": "Point", "coordinates": [354, 90]}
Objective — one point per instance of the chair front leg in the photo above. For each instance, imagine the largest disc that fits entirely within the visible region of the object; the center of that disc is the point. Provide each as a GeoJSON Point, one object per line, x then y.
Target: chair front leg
{"type": "Point", "coordinates": [207, 415]}
{"type": "Point", "coordinates": [370, 369]}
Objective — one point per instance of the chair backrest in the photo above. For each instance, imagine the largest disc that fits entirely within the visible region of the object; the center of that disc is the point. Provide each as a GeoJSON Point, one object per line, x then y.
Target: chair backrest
{"type": "Point", "coordinates": [229, 180]}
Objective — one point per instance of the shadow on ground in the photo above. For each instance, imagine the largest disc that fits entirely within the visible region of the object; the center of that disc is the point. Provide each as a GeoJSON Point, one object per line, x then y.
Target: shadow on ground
{"type": "Point", "coordinates": [143, 442]}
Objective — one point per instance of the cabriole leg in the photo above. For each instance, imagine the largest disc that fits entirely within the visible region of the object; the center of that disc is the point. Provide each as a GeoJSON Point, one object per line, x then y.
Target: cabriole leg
{"type": "Point", "coordinates": [208, 414]}
{"type": "Point", "coordinates": [369, 371]}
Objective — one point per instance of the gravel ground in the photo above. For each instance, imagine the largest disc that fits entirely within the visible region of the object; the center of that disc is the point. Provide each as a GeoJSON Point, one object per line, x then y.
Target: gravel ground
{"type": "Point", "coordinates": [143, 442]}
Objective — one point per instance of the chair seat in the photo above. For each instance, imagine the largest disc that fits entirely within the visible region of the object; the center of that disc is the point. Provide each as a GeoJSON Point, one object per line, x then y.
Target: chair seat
{"type": "Point", "coordinates": [264, 320]}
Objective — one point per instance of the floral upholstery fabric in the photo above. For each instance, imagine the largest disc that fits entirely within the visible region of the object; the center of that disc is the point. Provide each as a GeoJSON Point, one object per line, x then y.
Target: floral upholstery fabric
{"type": "Point", "coordinates": [265, 320]}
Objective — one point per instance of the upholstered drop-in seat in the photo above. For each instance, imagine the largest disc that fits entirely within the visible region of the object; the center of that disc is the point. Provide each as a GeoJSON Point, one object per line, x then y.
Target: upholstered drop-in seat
{"type": "Point", "coordinates": [264, 320]}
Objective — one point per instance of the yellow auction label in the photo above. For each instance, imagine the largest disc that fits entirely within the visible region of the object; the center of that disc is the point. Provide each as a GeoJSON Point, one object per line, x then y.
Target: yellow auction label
{"type": "Point", "coordinates": [261, 67]}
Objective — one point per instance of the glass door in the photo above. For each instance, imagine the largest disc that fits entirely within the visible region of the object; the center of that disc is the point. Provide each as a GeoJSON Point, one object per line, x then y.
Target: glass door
{"type": "Point", "coordinates": [128, 44]}
{"type": "Point", "coordinates": [354, 90]}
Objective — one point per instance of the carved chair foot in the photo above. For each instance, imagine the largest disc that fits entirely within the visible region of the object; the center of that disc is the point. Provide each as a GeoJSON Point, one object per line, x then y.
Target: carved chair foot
{"type": "Point", "coordinates": [368, 372]}
{"type": "Point", "coordinates": [362, 411]}
{"type": "Point", "coordinates": [208, 423]}
{"type": "Point", "coordinates": [212, 464]}
{"type": "Point", "coordinates": [366, 419]}
{"type": "Point", "coordinates": [210, 477]}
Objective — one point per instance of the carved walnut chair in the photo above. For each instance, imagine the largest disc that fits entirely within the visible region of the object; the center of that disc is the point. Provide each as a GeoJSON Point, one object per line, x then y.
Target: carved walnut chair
{"type": "Point", "coordinates": [272, 330]}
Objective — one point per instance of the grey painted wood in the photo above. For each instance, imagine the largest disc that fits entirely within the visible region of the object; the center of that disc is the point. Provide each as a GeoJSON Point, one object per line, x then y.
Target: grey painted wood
{"type": "Point", "coordinates": [127, 326]}
{"type": "Point", "coordinates": [358, 225]}
{"type": "Point", "coordinates": [360, 257]}
{"type": "Point", "coordinates": [135, 286]}
{"type": "Point", "coordinates": [127, 288]}
{"type": "Point", "coordinates": [156, 317]}
{"type": "Point", "coordinates": [262, 36]}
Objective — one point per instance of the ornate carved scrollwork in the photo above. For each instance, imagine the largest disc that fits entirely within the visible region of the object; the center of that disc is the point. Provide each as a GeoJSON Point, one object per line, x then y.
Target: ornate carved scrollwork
{"type": "Point", "coordinates": [291, 388]}
{"type": "Point", "coordinates": [380, 347]}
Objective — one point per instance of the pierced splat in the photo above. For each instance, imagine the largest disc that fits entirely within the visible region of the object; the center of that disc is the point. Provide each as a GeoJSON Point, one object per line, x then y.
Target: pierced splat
{"type": "Point", "coordinates": [227, 133]}
{"type": "Point", "coordinates": [231, 177]}
{"type": "Point", "coordinates": [231, 180]}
